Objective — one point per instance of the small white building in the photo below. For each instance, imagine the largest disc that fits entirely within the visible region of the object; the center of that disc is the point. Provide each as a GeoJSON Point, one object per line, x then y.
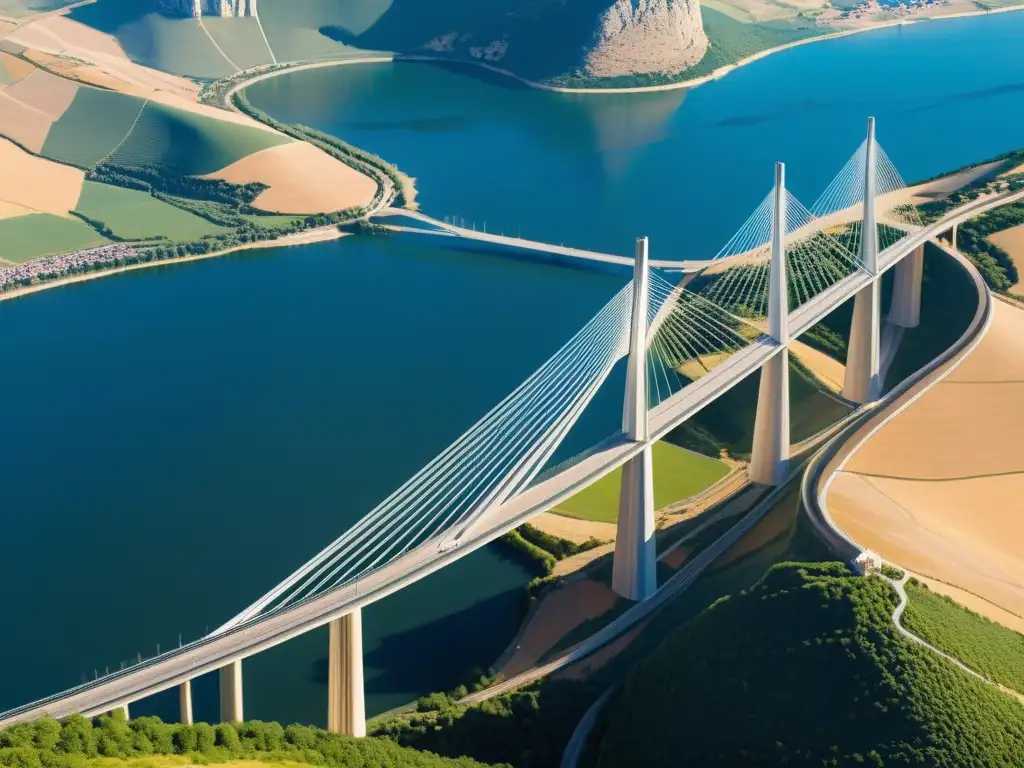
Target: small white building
{"type": "Point", "coordinates": [866, 562]}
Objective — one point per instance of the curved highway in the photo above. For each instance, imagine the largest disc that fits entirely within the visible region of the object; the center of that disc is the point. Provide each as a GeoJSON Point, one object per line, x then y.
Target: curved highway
{"type": "Point", "coordinates": [213, 652]}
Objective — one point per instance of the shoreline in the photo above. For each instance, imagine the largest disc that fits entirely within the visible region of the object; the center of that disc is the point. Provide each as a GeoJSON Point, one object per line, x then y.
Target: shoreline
{"type": "Point", "coordinates": [319, 235]}
{"type": "Point", "coordinates": [388, 58]}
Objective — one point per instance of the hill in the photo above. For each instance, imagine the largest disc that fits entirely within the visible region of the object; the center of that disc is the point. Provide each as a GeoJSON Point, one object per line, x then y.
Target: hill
{"type": "Point", "coordinates": [111, 742]}
{"type": "Point", "coordinates": [577, 43]}
{"type": "Point", "coordinates": [806, 668]}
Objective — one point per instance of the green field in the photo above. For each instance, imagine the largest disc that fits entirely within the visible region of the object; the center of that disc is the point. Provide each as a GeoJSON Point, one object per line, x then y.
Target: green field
{"type": "Point", "coordinates": [21, 7]}
{"type": "Point", "coordinates": [293, 26]}
{"type": "Point", "coordinates": [24, 238]}
{"type": "Point", "coordinates": [982, 645]}
{"type": "Point", "coordinates": [240, 39]}
{"type": "Point", "coordinates": [176, 45]}
{"type": "Point", "coordinates": [187, 144]}
{"type": "Point", "coordinates": [678, 474]}
{"type": "Point", "coordinates": [133, 214]}
{"type": "Point", "coordinates": [91, 127]}
{"type": "Point", "coordinates": [5, 77]}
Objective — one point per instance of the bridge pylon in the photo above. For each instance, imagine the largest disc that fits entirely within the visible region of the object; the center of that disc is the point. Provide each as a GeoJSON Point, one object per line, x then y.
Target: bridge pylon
{"type": "Point", "coordinates": [863, 382]}
{"type": "Point", "coordinates": [231, 693]}
{"type": "Point", "coordinates": [633, 568]}
{"type": "Point", "coordinates": [346, 705]}
{"type": "Point", "coordinates": [905, 310]}
{"type": "Point", "coordinates": [769, 458]}
{"type": "Point", "coordinates": [185, 703]}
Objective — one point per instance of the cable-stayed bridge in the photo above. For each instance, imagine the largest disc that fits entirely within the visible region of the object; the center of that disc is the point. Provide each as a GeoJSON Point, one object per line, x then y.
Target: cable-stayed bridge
{"type": "Point", "coordinates": [686, 336]}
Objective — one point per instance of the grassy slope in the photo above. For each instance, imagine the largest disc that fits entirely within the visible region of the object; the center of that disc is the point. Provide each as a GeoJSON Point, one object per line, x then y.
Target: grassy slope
{"type": "Point", "coordinates": [175, 45]}
{"type": "Point", "coordinates": [188, 144]}
{"type": "Point", "coordinates": [981, 644]}
{"type": "Point", "coordinates": [806, 668]}
{"type": "Point", "coordinates": [240, 39]}
{"type": "Point", "coordinates": [91, 127]}
{"type": "Point", "coordinates": [133, 214]}
{"type": "Point", "coordinates": [41, 234]}
{"type": "Point", "coordinates": [678, 474]}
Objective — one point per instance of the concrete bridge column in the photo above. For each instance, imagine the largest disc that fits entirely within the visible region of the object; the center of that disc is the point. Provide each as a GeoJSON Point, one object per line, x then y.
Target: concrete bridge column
{"type": "Point", "coordinates": [633, 568]}
{"type": "Point", "coordinates": [905, 310]}
{"type": "Point", "coordinates": [863, 382]}
{"type": "Point", "coordinates": [952, 237]}
{"type": "Point", "coordinates": [346, 706]}
{"type": "Point", "coordinates": [769, 459]}
{"type": "Point", "coordinates": [185, 703]}
{"type": "Point", "coordinates": [231, 693]}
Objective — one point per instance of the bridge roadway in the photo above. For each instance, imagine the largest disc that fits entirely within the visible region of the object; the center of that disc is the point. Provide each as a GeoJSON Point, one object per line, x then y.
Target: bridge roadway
{"type": "Point", "coordinates": [213, 652]}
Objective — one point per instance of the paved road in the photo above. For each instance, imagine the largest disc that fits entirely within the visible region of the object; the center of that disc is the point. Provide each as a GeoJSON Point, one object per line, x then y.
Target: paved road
{"type": "Point", "coordinates": [211, 653]}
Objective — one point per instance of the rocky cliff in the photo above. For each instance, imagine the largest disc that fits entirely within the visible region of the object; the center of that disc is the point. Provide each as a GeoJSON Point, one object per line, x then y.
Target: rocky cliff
{"type": "Point", "coordinates": [647, 36]}
{"type": "Point", "coordinates": [198, 8]}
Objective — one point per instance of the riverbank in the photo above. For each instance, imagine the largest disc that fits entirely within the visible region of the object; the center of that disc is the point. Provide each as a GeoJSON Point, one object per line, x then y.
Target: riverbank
{"type": "Point", "coordinates": [320, 235]}
{"type": "Point", "coordinates": [240, 80]}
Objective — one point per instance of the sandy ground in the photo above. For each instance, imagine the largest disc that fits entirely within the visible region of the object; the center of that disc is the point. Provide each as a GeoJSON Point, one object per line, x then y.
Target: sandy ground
{"type": "Point", "coordinates": [18, 68]}
{"type": "Point", "coordinates": [573, 529]}
{"type": "Point", "coordinates": [25, 125]}
{"type": "Point", "coordinates": [939, 189]}
{"type": "Point", "coordinates": [1012, 241]}
{"type": "Point", "coordinates": [37, 184]}
{"type": "Point", "coordinates": [45, 92]}
{"type": "Point", "coordinates": [563, 610]}
{"type": "Point", "coordinates": [828, 371]}
{"type": "Point", "coordinates": [10, 211]}
{"type": "Point", "coordinates": [302, 179]}
{"type": "Point", "coordinates": [677, 557]}
{"type": "Point", "coordinates": [939, 488]}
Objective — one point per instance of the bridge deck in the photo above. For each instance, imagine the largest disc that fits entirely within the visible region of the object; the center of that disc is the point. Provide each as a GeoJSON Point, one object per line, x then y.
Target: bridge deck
{"type": "Point", "coordinates": [211, 653]}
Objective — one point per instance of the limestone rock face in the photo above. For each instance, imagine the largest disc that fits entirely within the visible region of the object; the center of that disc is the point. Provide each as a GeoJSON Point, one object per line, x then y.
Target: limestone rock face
{"type": "Point", "coordinates": [199, 8]}
{"type": "Point", "coordinates": [647, 36]}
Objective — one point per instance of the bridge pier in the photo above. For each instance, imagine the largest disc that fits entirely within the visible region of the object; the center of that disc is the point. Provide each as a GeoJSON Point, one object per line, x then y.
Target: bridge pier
{"type": "Point", "coordinates": [952, 237]}
{"type": "Point", "coordinates": [634, 574]}
{"type": "Point", "coordinates": [863, 381]}
{"type": "Point", "coordinates": [185, 703]}
{"type": "Point", "coordinates": [905, 310]}
{"type": "Point", "coordinates": [769, 458]}
{"type": "Point", "coordinates": [231, 693]}
{"type": "Point", "coordinates": [346, 706]}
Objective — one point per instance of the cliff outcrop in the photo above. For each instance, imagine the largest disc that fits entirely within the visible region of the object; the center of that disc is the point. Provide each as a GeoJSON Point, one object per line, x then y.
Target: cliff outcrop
{"type": "Point", "coordinates": [647, 36]}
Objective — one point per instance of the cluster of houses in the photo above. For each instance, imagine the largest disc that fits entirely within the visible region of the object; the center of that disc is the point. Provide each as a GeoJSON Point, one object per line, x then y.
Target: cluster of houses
{"type": "Point", "coordinates": [54, 267]}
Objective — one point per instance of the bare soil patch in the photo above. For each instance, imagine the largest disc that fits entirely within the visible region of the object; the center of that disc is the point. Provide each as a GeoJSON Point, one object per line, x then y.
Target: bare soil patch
{"type": "Point", "coordinates": [16, 68]}
{"type": "Point", "coordinates": [828, 371]}
{"type": "Point", "coordinates": [572, 528]}
{"type": "Point", "coordinates": [45, 92]}
{"type": "Point", "coordinates": [562, 610]}
{"type": "Point", "coordinates": [40, 185]}
{"type": "Point", "coordinates": [1012, 241]}
{"type": "Point", "coordinates": [302, 179]}
{"type": "Point", "coordinates": [939, 488]}
{"type": "Point", "coordinates": [25, 125]}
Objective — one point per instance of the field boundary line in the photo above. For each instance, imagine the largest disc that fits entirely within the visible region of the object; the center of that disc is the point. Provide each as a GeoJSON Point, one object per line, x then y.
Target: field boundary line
{"type": "Point", "coordinates": [199, 21]}
{"type": "Point", "coordinates": [124, 138]}
{"type": "Point", "coordinates": [259, 24]}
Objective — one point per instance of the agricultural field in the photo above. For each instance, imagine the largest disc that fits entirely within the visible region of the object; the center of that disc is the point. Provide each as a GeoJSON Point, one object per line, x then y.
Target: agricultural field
{"type": "Point", "coordinates": [42, 234]}
{"type": "Point", "coordinates": [91, 127]}
{"type": "Point", "coordinates": [240, 39]}
{"type": "Point", "coordinates": [186, 143]}
{"type": "Point", "coordinates": [293, 26]}
{"type": "Point", "coordinates": [16, 8]}
{"type": "Point", "coordinates": [176, 45]}
{"type": "Point", "coordinates": [678, 474]}
{"type": "Point", "coordinates": [133, 214]}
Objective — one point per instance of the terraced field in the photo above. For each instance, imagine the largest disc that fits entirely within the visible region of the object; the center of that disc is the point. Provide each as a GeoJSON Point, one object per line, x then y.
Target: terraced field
{"type": "Point", "coordinates": [28, 237]}
{"type": "Point", "coordinates": [186, 143]}
{"type": "Point", "coordinates": [91, 127]}
{"type": "Point", "coordinates": [133, 214]}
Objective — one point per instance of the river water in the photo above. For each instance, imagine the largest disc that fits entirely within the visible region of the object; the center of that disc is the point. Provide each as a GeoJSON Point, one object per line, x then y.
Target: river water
{"type": "Point", "coordinates": [178, 439]}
